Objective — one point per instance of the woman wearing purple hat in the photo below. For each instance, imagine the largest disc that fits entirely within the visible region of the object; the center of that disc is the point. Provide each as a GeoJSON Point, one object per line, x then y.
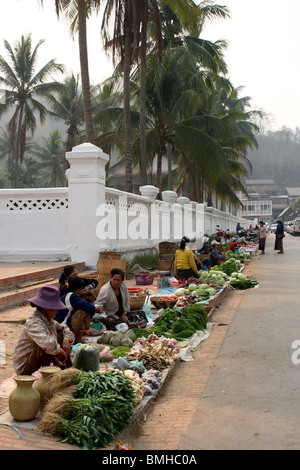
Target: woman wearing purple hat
{"type": "Point", "coordinates": [43, 340]}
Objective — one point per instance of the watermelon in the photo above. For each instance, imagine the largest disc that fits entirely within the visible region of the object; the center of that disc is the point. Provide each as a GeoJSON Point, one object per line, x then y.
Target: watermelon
{"type": "Point", "coordinates": [86, 358]}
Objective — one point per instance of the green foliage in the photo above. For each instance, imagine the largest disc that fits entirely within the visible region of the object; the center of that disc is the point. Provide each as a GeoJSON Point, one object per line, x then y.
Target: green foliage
{"type": "Point", "coordinates": [145, 261]}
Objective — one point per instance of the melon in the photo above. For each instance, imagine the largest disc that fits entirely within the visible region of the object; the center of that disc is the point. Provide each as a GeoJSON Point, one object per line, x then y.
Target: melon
{"type": "Point", "coordinates": [86, 358]}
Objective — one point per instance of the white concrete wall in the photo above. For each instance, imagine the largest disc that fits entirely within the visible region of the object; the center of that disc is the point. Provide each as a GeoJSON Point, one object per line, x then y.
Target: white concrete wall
{"type": "Point", "coordinates": [33, 224]}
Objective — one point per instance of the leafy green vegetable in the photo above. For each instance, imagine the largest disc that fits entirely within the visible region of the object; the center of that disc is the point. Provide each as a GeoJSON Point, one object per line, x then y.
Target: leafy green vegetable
{"type": "Point", "coordinates": [243, 284]}
{"type": "Point", "coordinates": [193, 318]}
{"type": "Point", "coordinates": [120, 351]}
{"type": "Point", "coordinates": [164, 323]}
{"type": "Point", "coordinates": [101, 407]}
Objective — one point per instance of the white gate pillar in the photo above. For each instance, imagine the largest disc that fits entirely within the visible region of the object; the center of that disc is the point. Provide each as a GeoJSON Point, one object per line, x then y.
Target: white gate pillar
{"type": "Point", "coordinates": [86, 177]}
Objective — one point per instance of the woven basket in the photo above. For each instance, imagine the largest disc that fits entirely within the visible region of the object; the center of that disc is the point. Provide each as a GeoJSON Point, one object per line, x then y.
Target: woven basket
{"type": "Point", "coordinates": [137, 300]}
{"type": "Point", "coordinates": [158, 302]}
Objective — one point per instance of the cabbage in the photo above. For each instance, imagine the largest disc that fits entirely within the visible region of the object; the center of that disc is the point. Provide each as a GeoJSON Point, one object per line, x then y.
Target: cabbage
{"type": "Point", "coordinates": [211, 291]}
{"type": "Point", "coordinates": [180, 291]}
{"type": "Point", "coordinates": [241, 276]}
{"type": "Point", "coordinates": [234, 274]}
{"type": "Point", "coordinates": [192, 287]}
{"type": "Point", "coordinates": [202, 286]}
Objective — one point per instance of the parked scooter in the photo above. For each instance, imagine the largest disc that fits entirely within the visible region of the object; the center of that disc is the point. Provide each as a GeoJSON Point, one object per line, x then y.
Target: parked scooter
{"type": "Point", "coordinates": [222, 234]}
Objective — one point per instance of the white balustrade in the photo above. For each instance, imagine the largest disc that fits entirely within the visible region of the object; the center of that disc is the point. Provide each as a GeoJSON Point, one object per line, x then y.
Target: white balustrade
{"type": "Point", "coordinates": [77, 222]}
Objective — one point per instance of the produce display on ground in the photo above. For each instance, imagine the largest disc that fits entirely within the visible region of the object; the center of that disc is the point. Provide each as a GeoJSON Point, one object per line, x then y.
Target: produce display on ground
{"type": "Point", "coordinates": [90, 407]}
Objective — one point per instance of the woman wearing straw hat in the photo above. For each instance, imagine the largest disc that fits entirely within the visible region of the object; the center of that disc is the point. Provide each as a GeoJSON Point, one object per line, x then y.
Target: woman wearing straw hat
{"type": "Point", "coordinates": [43, 340]}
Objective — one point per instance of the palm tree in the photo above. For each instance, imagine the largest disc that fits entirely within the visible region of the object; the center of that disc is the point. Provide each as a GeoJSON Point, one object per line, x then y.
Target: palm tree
{"type": "Point", "coordinates": [123, 42]}
{"type": "Point", "coordinates": [51, 162]}
{"type": "Point", "coordinates": [23, 86]}
{"type": "Point", "coordinates": [174, 92]}
{"type": "Point", "coordinates": [67, 104]}
{"type": "Point", "coordinates": [78, 11]}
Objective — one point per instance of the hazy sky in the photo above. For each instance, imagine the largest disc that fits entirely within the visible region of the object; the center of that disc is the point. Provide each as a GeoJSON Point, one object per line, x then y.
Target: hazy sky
{"type": "Point", "coordinates": [263, 48]}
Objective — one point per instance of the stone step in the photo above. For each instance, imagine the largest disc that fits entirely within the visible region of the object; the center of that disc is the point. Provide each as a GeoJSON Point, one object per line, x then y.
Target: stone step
{"type": "Point", "coordinates": [18, 287]}
{"type": "Point", "coordinates": [12, 275]}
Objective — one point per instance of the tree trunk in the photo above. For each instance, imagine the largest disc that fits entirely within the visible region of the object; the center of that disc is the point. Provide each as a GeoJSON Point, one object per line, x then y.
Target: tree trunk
{"type": "Point", "coordinates": [17, 147]}
{"type": "Point", "coordinates": [143, 125]}
{"type": "Point", "coordinates": [127, 114]}
{"type": "Point", "coordinates": [85, 78]}
{"type": "Point", "coordinates": [159, 172]}
{"type": "Point", "coordinates": [143, 67]}
{"type": "Point", "coordinates": [170, 175]}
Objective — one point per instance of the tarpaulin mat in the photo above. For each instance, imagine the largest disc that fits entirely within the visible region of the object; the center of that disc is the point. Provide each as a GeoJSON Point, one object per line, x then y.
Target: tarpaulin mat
{"type": "Point", "coordinates": [167, 290]}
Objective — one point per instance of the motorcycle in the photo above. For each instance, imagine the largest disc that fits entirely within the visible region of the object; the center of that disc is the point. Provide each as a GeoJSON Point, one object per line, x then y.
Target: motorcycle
{"type": "Point", "coordinates": [222, 234]}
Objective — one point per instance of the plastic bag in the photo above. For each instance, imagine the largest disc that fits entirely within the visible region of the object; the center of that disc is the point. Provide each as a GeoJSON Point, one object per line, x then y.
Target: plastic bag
{"type": "Point", "coordinates": [147, 310]}
{"type": "Point", "coordinates": [122, 327]}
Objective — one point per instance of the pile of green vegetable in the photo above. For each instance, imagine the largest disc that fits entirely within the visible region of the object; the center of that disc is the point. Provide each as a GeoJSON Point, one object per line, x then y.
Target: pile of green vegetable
{"type": "Point", "coordinates": [243, 257]}
{"type": "Point", "coordinates": [101, 408]}
{"type": "Point", "coordinates": [215, 277]}
{"type": "Point", "coordinates": [200, 291]}
{"type": "Point", "coordinates": [173, 324]}
{"type": "Point", "coordinates": [164, 323]}
{"type": "Point", "coordinates": [241, 282]}
{"type": "Point", "coordinates": [193, 318]}
{"type": "Point", "coordinates": [228, 267]}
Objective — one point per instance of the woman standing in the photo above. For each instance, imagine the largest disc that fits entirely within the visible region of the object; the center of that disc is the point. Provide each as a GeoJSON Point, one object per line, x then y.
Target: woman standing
{"type": "Point", "coordinates": [262, 234]}
{"type": "Point", "coordinates": [279, 235]}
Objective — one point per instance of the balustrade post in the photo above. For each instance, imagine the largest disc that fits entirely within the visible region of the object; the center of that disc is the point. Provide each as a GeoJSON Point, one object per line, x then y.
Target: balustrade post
{"type": "Point", "coordinates": [86, 177]}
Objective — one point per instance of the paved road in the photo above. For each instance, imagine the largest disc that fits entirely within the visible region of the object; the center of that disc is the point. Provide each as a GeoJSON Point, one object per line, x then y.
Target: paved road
{"type": "Point", "coordinates": [250, 398]}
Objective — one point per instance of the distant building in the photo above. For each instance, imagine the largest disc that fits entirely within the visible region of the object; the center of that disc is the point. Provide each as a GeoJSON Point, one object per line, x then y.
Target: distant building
{"type": "Point", "coordinates": [257, 209]}
{"type": "Point", "coordinates": [293, 193]}
{"type": "Point", "coordinates": [262, 186]}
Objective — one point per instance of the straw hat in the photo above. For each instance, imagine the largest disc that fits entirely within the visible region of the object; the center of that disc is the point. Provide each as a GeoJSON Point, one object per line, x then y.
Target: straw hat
{"type": "Point", "coordinates": [48, 297]}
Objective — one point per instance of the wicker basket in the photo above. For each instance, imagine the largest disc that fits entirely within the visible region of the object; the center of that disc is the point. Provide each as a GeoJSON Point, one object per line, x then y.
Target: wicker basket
{"type": "Point", "coordinates": [137, 300]}
{"type": "Point", "coordinates": [159, 302]}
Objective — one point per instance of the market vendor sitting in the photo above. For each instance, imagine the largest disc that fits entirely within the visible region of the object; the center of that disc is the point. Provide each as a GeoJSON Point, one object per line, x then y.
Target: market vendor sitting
{"type": "Point", "coordinates": [185, 265]}
{"type": "Point", "coordinates": [114, 299]}
{"type": "Point", "coordinates": [233, 243]}
{"type": "Point", "coordinates": [43, 340]}
{"type": "Point", "coordinates": [205, 247]}
{"type": "Point", "coordinates": [89, 285]}
{"type": "Point", "coordinates": [216, 257]}
{"type": "Point", "coordinates": [78, 312]}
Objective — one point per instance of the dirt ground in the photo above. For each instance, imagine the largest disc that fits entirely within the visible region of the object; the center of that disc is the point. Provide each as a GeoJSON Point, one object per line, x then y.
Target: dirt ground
{"type": "Point", "coordinates": [11, 324]}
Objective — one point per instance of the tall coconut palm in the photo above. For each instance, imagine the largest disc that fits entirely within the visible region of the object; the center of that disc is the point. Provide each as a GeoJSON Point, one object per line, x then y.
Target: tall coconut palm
{"type": "Point", "coordinates": [67, 104]}
{"type": "Point", "coordinates": [80, 9]}
{"type": "Point", "coordinates": [51, 163]}
{"type": "Point", "coordinates": [175, 91]}
{"type": "Point", "coordinates": [124, 45]}
{"type": "Point", "coordinates": [23, 87]}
